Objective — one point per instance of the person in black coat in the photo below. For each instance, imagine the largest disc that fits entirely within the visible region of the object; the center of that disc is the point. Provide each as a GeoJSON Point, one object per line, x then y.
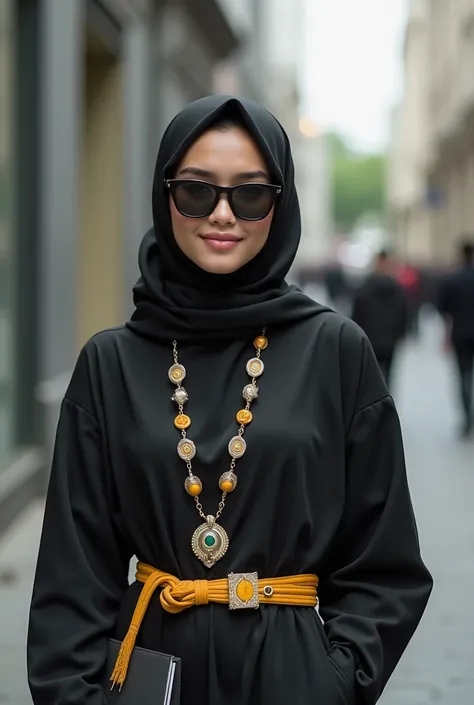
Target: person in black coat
{"type": "Point", "coordinates": [456, 305]}
{"type": "Point", "coordinates": [304, 470]}
{"type": "Point", "coordinates": [381, 310]}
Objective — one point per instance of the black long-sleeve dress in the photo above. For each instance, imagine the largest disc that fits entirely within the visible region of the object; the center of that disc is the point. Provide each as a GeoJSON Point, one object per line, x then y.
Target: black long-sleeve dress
{"type": "Point", "coordinates": [322, 489]}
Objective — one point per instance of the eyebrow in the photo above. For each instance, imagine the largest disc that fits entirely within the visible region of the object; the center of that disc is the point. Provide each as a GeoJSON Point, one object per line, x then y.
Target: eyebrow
{"type": "Point", "coordinates": [196, 171]}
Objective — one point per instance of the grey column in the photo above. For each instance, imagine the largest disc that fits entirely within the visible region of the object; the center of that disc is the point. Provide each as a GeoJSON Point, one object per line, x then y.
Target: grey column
{"type": "Point", "coordinates": [61, 49]}
{"type": "Point", "coordinates": [62, 56]}
{"type": "Point", "coordinates": [138, 149]}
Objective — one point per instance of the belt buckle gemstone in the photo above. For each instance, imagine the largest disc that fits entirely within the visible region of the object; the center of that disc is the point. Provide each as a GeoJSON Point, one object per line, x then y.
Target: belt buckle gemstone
{"type": "Point", "coordinates": [243, 591]}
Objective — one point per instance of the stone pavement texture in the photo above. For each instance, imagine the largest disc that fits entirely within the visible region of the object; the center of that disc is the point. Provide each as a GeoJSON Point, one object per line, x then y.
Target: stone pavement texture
{"type": "Point", "coordinates": [438, 666]}
{"type": "Point", "coordinates": [18, 551]}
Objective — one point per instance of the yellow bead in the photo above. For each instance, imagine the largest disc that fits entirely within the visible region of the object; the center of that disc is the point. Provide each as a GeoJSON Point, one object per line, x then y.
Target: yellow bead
{"type": "Point", "coordinates": [194, 490]}
{"type": "Point", "coordinates": [182, 421]}
{"type": "Point", "coordinates": [228, 482]}
{"type": "Point", "coordinates": [261, 343]}
{"type": "Point", "coordinates": [244, 417]}
{"type": "Point", "coordinates": [193, 485]}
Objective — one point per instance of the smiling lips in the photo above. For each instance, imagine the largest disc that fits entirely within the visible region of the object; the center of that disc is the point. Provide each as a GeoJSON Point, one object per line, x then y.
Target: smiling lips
{"type": "Point", "coordinates": [221, 241]}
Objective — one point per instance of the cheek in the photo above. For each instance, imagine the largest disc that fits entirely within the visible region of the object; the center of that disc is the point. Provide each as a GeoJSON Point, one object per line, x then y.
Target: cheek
{"type": "Point", "coordinates": [259, 229]}
{"type": "Point", "coordinates": [181, 225]}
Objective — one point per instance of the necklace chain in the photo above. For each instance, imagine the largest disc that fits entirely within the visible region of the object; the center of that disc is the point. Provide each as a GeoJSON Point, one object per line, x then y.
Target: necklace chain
{"type": "Point", "coordinates": [260, 344]}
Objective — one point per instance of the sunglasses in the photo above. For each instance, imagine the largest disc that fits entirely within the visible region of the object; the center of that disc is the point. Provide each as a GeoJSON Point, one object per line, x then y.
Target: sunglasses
{"type": "Point", "coordinates": [198, 199]}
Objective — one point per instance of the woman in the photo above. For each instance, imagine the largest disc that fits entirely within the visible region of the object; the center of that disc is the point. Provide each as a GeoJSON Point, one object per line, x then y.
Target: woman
{"type": "Point", "coordinates": [321, 491]}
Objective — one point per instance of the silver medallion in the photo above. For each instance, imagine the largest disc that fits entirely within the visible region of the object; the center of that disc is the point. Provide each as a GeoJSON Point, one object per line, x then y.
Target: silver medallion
{"type": "Point", "coordinates": [250, 392]}
{"type": "Point", "coordinates": [210, 542]}
{"type": "Point", "coordinates": [186, 449]}
{"type": "Point", "coordinates": [176, 373]}
{"type": "Point", "coordinates": [180, 396]}
{"type": "Point", "coordinates": [255, 367]}
{"type": "Point", "coordinates": [237, 447]}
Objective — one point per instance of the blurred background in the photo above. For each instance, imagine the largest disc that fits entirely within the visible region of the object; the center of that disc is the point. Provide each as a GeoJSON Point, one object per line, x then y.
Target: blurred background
{"type": "Point", "coordinates": [378, 101]}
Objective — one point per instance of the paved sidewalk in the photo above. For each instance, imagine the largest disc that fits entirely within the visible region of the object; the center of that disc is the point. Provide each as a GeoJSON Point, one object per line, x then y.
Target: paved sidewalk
{"type": "Point", "coordinates": [18, 550]}
{"type": "Point", "coordinates": [438, 666]}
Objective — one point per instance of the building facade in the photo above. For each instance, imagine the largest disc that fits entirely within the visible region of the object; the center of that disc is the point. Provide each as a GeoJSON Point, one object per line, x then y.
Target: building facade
{"type": "Point", "coordinates": [317, 242]}
{"type": "Point", "coordinates": [409, 209]}
{"type": "Point", "coordinates": [86, 90]}
{"type": "Point", "coordinates": [450, 172]}
{"type": "Point", "coordinates": [282, 47]}
{"type": "Point", "coordinates": [431, 179]}
{"type": "Point", "coordinates": [243, 72]}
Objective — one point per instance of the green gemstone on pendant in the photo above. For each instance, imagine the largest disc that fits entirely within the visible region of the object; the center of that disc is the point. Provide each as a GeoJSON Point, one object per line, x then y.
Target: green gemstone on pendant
{"type": "Point", "coordinates": [210, 540]}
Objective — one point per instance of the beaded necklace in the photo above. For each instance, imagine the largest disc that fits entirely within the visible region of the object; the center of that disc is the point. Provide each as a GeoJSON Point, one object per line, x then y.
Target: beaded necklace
{"type": "Point", "coordinates": [210, 540]}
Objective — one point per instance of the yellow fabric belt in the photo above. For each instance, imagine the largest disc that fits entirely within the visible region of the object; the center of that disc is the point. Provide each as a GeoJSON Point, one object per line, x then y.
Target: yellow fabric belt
{"type": "Point", "coordinates": [238, 590]}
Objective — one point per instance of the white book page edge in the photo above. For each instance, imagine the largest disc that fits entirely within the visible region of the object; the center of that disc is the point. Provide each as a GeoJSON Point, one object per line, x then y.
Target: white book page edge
{"type": "Point", "coordinates": [169, 683]}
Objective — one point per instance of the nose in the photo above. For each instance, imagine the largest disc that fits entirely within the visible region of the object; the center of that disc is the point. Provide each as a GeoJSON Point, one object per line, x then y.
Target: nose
{"type": "Point", "coordinates": [222, 213]}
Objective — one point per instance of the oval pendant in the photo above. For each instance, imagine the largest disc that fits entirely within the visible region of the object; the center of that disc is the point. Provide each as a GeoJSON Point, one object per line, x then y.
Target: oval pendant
{"type": "Point", "coordinates": [237, 447]}
{"type": "Point", "coordinates": [210, 542]}
{"type": "Point", "coordinates": [186, 449]}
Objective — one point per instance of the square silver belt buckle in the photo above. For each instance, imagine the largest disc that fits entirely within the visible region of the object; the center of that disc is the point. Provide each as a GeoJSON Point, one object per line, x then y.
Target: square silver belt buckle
{"type": "Point", "coordinates": [243, 591]}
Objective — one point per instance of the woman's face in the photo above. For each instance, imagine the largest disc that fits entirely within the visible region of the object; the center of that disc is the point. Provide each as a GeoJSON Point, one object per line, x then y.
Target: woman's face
{"type": "Point", "coordinates": [221, 242]}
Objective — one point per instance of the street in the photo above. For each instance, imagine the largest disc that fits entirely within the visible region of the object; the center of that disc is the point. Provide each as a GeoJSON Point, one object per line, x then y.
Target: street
{"type": "Point", "coordinates": [438, 665]}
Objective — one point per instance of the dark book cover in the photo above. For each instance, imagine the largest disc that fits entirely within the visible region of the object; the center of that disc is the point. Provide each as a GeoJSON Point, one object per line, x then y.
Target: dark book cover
{"type": "Point", "coordinates": [152, 679]}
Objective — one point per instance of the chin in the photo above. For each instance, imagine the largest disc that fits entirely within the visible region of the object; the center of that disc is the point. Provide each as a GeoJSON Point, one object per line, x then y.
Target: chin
{"type": "Point", "coordinates": [220, 266]}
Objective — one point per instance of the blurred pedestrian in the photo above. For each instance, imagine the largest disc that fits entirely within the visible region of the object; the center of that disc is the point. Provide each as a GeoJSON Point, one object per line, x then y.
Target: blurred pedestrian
{"type": "Point", "coordinates": [337, 287]}
{"type": "Point", "coordinates": [409, 279]}
{"type": "Point", "coordinates": [381, 310]}
{"type": "Point", "coordinates": [322, 507]}
{"type": "Point", "coordinates": [456, 305]}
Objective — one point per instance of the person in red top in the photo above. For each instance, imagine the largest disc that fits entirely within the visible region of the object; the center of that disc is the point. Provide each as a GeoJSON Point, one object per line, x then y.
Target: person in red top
{"type": "Point", "coordinates": [409, 279]}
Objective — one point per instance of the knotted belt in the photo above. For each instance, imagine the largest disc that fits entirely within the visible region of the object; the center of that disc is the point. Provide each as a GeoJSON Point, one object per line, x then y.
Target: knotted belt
{"type": "Point", "coordinates": [238, 590]}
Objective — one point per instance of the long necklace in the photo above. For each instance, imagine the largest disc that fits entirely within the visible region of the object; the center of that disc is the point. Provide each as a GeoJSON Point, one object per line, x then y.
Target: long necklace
{"type": "Point", "coordinates": [210, 541]}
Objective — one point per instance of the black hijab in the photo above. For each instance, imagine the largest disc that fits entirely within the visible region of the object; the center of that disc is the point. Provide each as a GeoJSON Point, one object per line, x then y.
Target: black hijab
{"type": "Point", "coordinates": [174, 298]}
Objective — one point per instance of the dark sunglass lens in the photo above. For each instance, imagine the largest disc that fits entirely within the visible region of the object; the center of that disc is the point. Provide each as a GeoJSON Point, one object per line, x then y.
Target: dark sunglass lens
{"type": "Point", "coordinates": [253, 201]}
{"type": "Point", "coordinates": [194, 199]}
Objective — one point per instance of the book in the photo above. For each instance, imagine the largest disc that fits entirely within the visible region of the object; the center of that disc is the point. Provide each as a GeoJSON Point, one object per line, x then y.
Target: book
{"type": "Point", "coordinates": [153, 678]}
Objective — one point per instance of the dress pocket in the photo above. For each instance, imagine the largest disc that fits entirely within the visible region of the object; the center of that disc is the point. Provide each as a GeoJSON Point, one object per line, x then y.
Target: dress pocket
{"type": "Point", "coordinates": [344, 686]}
{"type": "Point", "coordinates": [322, 633]}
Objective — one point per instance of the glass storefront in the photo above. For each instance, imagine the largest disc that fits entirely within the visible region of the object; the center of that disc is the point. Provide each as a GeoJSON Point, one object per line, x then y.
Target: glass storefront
{"type": "Point", "coordinates": [6, 232]}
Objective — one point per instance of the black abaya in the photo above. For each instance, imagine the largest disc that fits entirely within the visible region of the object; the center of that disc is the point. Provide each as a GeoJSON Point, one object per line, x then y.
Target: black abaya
{"type": "Point", "coordinates": [322, 489]}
